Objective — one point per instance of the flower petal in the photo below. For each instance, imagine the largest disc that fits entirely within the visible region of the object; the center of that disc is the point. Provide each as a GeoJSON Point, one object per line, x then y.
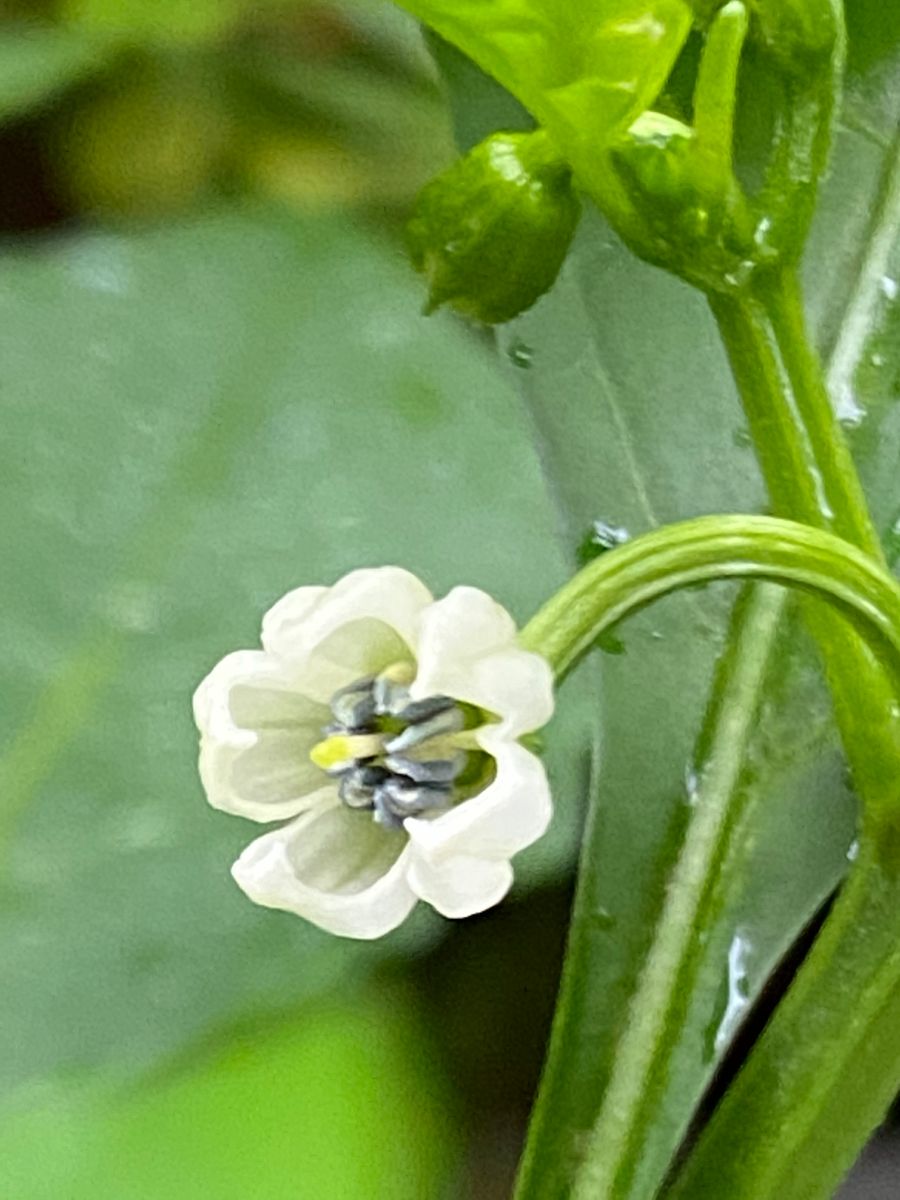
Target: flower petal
{"type": "Point", "coordinates": [301, 621]}
{"type": "Point", "coordinates": [462, 886]}
{"type": "Point", "coordinates": [468, 649]}
{"type": "Point", "coordinates": [280, 623]}
{"type": "Point", "coordinates": [248, 691]}
{"type": "Point", "coordinates": [512, 812]}
{"type": "Point", "coordinates": [333, 867]}
{"type": "Point", "coordinates": [267, 781]}
{"type": "Point", "coordinates": [256, 734]}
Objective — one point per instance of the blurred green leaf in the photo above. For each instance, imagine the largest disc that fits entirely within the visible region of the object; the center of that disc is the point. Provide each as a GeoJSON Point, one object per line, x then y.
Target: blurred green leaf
{"type": "Point", "coordinates": [162, 19]}
{"type": "Point", "coordinates": [640, 425]}
{"type": "Point", "coordinates": [197, 420]}
{"type": "Point", "coordinates": [346, 1101]}
{"type": "Point", "coordinates": [148, 144]}
{"type": "Point", "coordinates": [37, 61]}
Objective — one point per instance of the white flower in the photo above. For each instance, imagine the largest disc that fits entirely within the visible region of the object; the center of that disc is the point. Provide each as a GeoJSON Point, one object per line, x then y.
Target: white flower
{"type": "Point", "coordinates": [385, 725]}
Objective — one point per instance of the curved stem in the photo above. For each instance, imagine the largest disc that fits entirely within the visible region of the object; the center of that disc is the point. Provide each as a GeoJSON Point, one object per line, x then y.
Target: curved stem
{"type": "Point", "coordinates": [695, 552]}
{"type": "Point", "coordinates": [623, 1145]}
{"type": "Point", "coordinates": [602, 594]}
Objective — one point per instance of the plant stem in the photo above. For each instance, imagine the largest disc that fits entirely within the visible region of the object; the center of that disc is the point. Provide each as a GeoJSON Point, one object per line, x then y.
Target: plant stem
{"type": "Point", "coordinates": [827, 1066]}
{"type": "Point", "coordinates": [635, 1093]}
{"type": "Point", "coordinates": [810, 477]}
{"type": "Point", "coordinates": [695, 552]}
{"type": "Point", "coordinates": [848, 992]}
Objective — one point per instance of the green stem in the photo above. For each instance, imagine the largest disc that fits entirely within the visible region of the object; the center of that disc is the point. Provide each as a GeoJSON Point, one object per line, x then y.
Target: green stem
{"type": "Point", "coordinates": [788, 1126]}
{"type": "Point", "coordinates": [635, 1093]}
{"type": "Point", "coordinates": [691, 553]}
{"type": "Point", "coordinates": [602, 594]}
{"type": "Point", "coordinates": [827, 1066]}
{"type": "Point", "coordinates": [804, 456]}
{"type": "Point", "coordinates": [810, 477]}
{"type": "Point", "coordinates": [715, 96]}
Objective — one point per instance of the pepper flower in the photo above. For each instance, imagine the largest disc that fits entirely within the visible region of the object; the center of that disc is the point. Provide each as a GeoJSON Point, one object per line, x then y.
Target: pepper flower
{"type": "Point", "coordinates": [383, 726]}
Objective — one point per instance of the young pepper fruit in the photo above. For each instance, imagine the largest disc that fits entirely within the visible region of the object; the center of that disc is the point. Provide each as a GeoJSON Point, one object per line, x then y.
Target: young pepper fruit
{"type": "Point", "coordinates": [491, 233]}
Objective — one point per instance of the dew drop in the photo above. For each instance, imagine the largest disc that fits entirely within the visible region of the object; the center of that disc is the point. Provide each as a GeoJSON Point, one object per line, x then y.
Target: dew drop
{"type": "Point", "coordinates": [849, 411]}
{"type": "Point", "coordinates": [741, 438]}
{"type": "Point", "coordinates": [692, 785]}
{"type": "Point", "coordinates": [520, 355]}
{"type": "Point", "coordinates": [609, 643]}
{"type": "Point", "coordinates": [601, 537]}
{"type": "Point", "coordinates": [738, 989]}
{"type": "Point", "coordinates": [853, 850]}
{"type": "Point", "coordinates": [603, 918]}
{"type": "Point", "coordinates": [889, 287]}
{"type": "Point", "coordinates": [892, 541]}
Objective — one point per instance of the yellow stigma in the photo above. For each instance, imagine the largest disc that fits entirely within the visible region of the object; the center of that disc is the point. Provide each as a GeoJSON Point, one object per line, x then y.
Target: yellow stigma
{"type": "Point", "coordinates": [339, 749]}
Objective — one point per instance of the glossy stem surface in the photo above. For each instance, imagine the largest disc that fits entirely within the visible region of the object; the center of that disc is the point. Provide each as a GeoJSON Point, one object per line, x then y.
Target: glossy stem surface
{"type": "Point", "coordinates": [826, 1068]}
{"type": "Point", "coordinates": [564, 630]}
{"type": "Point", "coordinates": [810, 477]}
{"type": "Point", "coordinates": [710, 548]}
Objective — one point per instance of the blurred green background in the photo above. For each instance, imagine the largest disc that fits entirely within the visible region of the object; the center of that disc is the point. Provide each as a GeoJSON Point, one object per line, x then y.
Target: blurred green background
{"type": "Point", "coordinates": [217, 384]}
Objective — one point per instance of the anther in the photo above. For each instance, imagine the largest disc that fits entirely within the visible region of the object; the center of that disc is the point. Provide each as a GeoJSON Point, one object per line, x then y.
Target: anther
{"type": "Point", "coordinates": [438, 770]}
{"type": "Point", "coordinates": [446, 720]}
{"type": "Point", "coordinates": [354, 706]}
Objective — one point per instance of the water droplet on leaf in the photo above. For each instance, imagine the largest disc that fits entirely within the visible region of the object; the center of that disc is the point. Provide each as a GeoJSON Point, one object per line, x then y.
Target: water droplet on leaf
{"type": "Point", "coordinates": [520, 355]}
{"type": "Point", "coordinates": [602, 537]}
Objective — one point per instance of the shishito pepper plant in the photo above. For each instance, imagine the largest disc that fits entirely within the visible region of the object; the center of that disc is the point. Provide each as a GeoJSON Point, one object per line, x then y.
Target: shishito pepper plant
{"type": "Point", "coordinates": [489, 235]}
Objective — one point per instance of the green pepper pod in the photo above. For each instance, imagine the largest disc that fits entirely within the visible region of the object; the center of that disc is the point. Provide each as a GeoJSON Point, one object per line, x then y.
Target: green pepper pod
{"type": "Point", "coordinates": [491, 233]}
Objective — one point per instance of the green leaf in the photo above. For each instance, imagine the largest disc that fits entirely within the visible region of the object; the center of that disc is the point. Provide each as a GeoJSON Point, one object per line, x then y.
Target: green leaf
{"type": "Point", "coordinates": [37, 61]}
{"type": "Point", "coordinates": [175, 20]}
{"type": "Point", "coordinates": [199, 419]}
{"type": "Point", "coordinates": [347, 1100]}
{"type": "Point", "coordinates": [640, 425]}
{"type": "Point", "coordinates": [585, 70]}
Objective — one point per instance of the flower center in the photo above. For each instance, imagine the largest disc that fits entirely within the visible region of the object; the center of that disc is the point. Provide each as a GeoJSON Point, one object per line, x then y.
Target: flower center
{"type": "Point", "coordinates": [394, 756]}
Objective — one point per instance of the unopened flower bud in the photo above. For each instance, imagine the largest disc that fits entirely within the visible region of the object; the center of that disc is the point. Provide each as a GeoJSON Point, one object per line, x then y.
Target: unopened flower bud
{"type": "Point", "coordinates": [491, 233]}
{"type": "Point", "coordinates": [798, 34]}
{"type": "Point", "coordinates": [656, 161]}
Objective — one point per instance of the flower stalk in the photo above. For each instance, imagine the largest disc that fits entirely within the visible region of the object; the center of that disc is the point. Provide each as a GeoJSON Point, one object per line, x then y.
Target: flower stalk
{"type": "Point", "coordinates": [690, 553]}
{"type": "Point", "coordinates": [770, 549]}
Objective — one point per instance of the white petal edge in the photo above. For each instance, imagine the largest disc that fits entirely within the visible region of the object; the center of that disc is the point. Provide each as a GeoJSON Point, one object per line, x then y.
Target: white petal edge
{"type": "Point", "coordinates": [251, 669]}
{"type": "Point", "coordinates": [280, 622]}
{"type": "Point", "coordinates": [513, 811]}
{"type": "Point", "coordinates": [462, 886]}
{"type": "Point", "coordinates": [267, 873]}
{"type": "Point", "coordinates": [294, 626]}
{"type": "Point", "coordinates": [269, 780]}
{"type": "Point", "coordinates": [468, 649]}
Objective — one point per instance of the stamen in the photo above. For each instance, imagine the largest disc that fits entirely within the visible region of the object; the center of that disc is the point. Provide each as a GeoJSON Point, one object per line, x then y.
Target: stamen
{"type": "Point", "coordinates": [395, 757]}
{"type": "Point", "coordinates": [408, 799]}
{"type": "Point", "coordinates": [435, 770]}
{"type": "Point", "coordinates": [421, 710]}
{"type": "Point", "coordinates": [354, 706]}
{"type": "Point", "coordinates": [357, 788]}
{"type": "Point", "coordinates": [390, 697]}
{"type": "Point", "coordinates": [446, 720]}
